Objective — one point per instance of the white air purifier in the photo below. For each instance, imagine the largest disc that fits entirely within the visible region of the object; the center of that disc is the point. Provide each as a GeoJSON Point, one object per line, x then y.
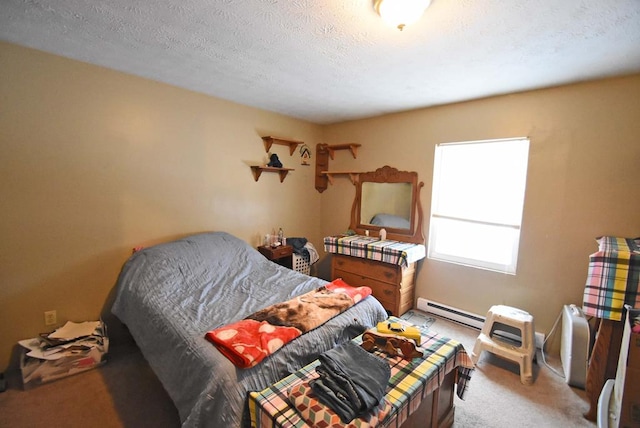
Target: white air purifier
{"type": "Point", "coordinates": [574, 346]}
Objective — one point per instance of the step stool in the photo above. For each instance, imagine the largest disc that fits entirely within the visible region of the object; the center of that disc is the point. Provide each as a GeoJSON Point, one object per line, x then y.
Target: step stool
{"type": "Point", "coordinates": [509, 319]}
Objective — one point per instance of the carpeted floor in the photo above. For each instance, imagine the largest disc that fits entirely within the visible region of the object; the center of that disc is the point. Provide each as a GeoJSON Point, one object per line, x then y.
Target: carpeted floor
{"type": "Point", "coordinates": [418, 318]}
{"type": "Point", "coordinates": [125, 393]}
{"type": "Point", "coordinates": [497, 399]}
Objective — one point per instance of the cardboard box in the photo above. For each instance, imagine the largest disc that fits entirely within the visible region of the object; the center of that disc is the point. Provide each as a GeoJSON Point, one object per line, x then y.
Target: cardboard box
{"type": "Point", "coordinates": [37, 371]}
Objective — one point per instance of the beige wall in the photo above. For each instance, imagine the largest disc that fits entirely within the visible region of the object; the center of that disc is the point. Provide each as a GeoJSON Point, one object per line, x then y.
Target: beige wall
{"type": "Point", "coordinates": [583, 182]}
{"type": "Point", "coordinates": [94, 162]}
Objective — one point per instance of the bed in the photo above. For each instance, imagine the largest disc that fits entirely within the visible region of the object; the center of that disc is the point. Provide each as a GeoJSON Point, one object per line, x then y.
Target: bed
{"type": "Point", "coordinates": [171, 294]}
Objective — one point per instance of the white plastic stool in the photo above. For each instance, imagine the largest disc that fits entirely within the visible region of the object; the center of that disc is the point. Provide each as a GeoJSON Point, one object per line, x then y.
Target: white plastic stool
{"type": "Point", "coordinates": [516, 319]}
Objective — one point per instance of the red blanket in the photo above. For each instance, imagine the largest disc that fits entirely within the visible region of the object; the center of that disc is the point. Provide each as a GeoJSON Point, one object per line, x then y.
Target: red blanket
{"type": "Point", "coordinates": [249, 341]}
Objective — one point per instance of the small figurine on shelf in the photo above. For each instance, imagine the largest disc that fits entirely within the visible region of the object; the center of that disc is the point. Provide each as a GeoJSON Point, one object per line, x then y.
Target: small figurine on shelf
{"type": "Point", "coordinates": [275, 162]}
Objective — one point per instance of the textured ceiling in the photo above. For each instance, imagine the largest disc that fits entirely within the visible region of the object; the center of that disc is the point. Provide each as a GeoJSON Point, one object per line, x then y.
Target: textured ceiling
{"type": "Point", "coordinates": [328, 61]}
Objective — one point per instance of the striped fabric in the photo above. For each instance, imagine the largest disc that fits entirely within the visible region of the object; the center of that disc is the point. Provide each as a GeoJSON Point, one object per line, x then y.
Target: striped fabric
{"type": "Point", "coordinates": [613, 279]}
{"type": "Point", "coordinates": [410, 382]}
{"type": "Point", "coordinates": [388, 251]}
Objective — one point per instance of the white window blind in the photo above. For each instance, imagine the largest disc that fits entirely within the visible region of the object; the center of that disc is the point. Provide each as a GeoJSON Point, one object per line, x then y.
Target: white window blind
{"type": "Point", "coordinates": [478, 198]}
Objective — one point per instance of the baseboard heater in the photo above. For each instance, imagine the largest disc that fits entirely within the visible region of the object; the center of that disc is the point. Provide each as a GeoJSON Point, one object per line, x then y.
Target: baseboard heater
{"type": "Point", "coordinates": [466, 318]}
{"type": "Point", "coordinates": [451, 313]}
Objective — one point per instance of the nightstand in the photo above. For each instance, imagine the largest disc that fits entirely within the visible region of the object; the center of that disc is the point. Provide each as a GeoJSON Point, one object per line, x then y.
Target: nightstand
{"type": "Point", "coordinates": [282, 255]}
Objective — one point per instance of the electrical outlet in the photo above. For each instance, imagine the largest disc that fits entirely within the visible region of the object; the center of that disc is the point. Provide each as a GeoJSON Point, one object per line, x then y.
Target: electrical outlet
{"type": "Point", "coordinates": [50, 318]}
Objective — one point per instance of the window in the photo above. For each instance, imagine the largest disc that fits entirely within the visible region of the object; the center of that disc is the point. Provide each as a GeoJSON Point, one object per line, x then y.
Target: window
{"type": "Point", "coordinates": [478, 196]}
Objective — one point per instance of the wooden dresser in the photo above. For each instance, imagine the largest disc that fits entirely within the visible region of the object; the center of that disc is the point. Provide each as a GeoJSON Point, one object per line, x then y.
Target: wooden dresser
{"type": "Point", "coordinates": [393, 285]}
{"type": "Point", "coordinates": [369, 254]}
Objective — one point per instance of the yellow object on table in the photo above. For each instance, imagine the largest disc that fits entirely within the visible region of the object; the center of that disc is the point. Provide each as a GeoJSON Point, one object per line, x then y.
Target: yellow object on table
{"type": "Point", "coordinates": [391, 327]}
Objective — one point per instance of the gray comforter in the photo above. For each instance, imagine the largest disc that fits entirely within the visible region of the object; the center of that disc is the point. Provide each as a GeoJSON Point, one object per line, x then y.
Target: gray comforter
{"type": "Point", "coordinates": [170, 295]}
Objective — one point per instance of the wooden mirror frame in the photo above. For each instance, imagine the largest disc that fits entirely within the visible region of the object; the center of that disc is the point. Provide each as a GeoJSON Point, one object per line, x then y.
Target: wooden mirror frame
{"type": "Point", "coordinates": [387, 174]}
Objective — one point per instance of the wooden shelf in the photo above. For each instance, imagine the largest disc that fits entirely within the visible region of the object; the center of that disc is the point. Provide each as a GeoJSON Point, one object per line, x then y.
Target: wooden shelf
{"type": "Point", "coordinates": [269, 141]}
{"type": "Point", "coordinates": [353, 175]}
{"type": "Point", "coordinates": [258, 170]}
{"type": "Point", "coordinates": [351, 147]}
{"type": "Point", "coordinates": [323, 153]}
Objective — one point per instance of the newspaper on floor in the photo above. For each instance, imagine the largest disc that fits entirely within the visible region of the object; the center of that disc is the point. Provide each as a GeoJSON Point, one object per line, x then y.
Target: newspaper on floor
{"type": "Point", "coordinates": [71, 339]}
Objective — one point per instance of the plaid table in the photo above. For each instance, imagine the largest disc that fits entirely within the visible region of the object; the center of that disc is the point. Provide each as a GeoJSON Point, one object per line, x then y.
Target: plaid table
{"type": "Point", "coordinates": [410, 382]}
{"type": "Point", "coordinates": [613, 279]}
{"type": "Point", "coordinates": [388, 251]}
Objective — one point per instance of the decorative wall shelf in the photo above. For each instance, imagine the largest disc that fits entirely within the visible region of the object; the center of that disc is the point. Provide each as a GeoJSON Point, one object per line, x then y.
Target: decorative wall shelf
{"type": "Point", "coordinates": [258, 170]}
{"type": "Point", "coordinates": [269, 141]}
{"type": "Point", "coordinates": [323, 153]}
{"type": "Point", "coordinates": [353, 175]}
{"type": "Point", "coordinates": [351, 147]}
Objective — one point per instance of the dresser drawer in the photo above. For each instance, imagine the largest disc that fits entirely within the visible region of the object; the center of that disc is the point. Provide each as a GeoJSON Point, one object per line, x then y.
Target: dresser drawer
{"type": "Point", "coordinates": [386, 293]}
{"type": "Point", "coordinates": [391, 284]}
{"type": "Point", "coordinates": [370, 268]}
{"type": "Point", "coordinates": [382, 289]}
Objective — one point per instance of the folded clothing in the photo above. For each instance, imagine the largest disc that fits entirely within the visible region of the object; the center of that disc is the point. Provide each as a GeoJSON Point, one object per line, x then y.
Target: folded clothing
{"type": "Point", "coordinates": [351, 381]}
{"type": "Point", "coordinates": [316, 414]}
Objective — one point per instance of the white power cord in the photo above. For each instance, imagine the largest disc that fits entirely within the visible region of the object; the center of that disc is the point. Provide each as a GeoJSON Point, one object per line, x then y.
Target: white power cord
{"type": "Point", "coordinates": [544, 360]}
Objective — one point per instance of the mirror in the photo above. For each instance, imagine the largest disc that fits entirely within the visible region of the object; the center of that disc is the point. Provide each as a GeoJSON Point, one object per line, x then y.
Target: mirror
{"type": "Point", "coordinates": [386, 205]}
{"type": "Point", "coordinates": [388, 198]}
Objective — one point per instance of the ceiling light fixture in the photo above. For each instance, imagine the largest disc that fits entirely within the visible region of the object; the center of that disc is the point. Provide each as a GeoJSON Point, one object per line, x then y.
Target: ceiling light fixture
{"type": "Point", "coordinates": [401, 12]}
